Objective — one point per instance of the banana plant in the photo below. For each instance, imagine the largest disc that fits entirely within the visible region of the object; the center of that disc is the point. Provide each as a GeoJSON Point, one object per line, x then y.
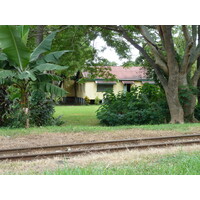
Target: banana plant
{"type": "Point", "coordinates": [25, 69]}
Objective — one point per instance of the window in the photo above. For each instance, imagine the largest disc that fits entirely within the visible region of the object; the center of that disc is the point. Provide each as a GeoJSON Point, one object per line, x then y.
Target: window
{"type": "Point", "coordinates": [127, 87]}
{"type": "Point", "coordinates": [104, 87]}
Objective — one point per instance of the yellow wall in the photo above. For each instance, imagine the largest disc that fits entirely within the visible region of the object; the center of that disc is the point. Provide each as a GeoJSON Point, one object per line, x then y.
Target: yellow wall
{"type": "Point", "coordinates": [137, 83]}
{"type": "Point", "coordinates": [89, 89]}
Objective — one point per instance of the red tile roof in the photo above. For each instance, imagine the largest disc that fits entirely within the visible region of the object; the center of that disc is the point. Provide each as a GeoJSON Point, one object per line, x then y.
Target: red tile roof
{"type": "Point", "coordinates": [128, 73]}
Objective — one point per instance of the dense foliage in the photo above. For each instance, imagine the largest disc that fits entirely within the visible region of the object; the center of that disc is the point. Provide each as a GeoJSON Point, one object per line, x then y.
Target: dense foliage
{"type": "Point", "coordinates": [28, 70]}
{"type": "Point", "coordinates": [42, 110]}
{"type": "Point", "coordinates": [14, 116]}
{"type": "Point", "coordinates": [142, 105]}
{"type": "Point", "coordinates": [4, 104]}
{"type": "Point", "coordinates": [172, 55]}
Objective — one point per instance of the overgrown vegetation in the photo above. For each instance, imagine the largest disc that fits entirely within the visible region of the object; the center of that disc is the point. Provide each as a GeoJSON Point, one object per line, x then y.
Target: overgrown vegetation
{"type": "Point", "coordinates": [142, 105]}
{"type": "Point", "coordinates": [24, 71]}
{"type": "Point", "coordinates": [42, 110]}
{"type": "Point", "coordinates": [4, 104]}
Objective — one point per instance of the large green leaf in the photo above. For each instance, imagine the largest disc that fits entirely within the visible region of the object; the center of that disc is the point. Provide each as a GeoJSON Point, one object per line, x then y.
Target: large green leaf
{"type": "Point", "coordinates": [49, 67]}
{"type": "Point", "coordinates": [53, 57]}
{"type": "Point", "coordinates": [13, 46]}
{"type": "Point", "coordinates": [48, 77]}
{"type": "Point", "coordinates": [27, 75]}
{"type": "Point", "coordinates": [23, 31]}
{"type": "Point", "coordinates": [43, 47]}
{"type": "Point", "coordinates": [3, 56]}
{"type": "Point", "coordinates": [52, 89]}
{"type": "Point", "coordinates": [5, 75]}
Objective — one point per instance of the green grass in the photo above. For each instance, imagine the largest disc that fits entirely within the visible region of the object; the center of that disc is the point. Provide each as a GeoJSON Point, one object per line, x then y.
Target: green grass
{"type": "Point", "coordinates": [93, 129]}
{"type": "Point", "coordinates": [78, 115]}
{"type": "Point", "coordinates": [177, 164]}
{"type": "Point", "coordinates": [83, 119]}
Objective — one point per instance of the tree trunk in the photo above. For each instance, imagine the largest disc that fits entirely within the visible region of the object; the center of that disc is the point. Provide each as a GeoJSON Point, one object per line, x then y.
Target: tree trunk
{"type": "Point", "coordinates": [198, 83]}
{"type": "Point", "coordinates": [39, 34]}
{"type": "Point", "coordinates": [189, 102]}
{"type": "Point", "coordinates": [25, 105]}
{"type": "Point", "coordinates": [76, 84]}
{"type": "Point", "coordinates": [166, 63]}
{"type": "Point", "coordinates": [198, 96]}
{"type": "Point", "coordinates": [175, 108]}
{"type": "Point", "coordinates": [26, 111]}
{"type": "Point", "coordinates": [189, 110]}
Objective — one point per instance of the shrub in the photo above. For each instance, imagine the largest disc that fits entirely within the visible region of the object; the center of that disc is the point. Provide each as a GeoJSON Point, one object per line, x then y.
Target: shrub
{"type": "Point", "coordinates": [87, 100]}
{"type": "Point", "coordinates": [97, 101]}
{"type": "Point", "coordinates": [15, 117]}
{"type": "Point", "coordinates": [4, 105]}
{"type": "Point", "coordinates": [142, 105]}
{"type": "Point", "coordinates": [42, 110]}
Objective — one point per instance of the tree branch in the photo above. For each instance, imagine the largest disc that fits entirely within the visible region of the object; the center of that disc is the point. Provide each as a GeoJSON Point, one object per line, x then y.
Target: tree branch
{"type": "Point", "coordinates": [160, 60]}
{"type": "Point", "coordinates": [172, 63]}
{"type": "Point", "coordinates": [188, 50]}
{"type": "Point", "coordinates": [149, 59]}
{"type": "Point", "coordinates": [194, 34]}
{"type": "Point", "coordinates": [196, 51]}
{"type": "Point", "coordinates": [161, 35]}
{"type": "Point", "coordinates": [125, 34]}
{"type": "Point", "coordinates": [186, 34]}
{"type": "Point", "coordinates": [196, 75]}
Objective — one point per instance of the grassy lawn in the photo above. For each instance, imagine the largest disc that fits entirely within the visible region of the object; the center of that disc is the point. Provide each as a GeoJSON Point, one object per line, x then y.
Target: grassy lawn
{"type": "Point", "coordinates": [178, 164]}
{"type": "Point", "coordinates": [78, 115]}
{"type": "Point", "coordinates": [83, 119]}
{"type": "Point", "coordinates": [94, 129]}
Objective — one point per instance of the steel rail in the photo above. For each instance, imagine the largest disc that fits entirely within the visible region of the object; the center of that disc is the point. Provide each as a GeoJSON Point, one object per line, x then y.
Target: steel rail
{"type": "Point", "coordinates": [97, 143]}
{"type": "Point", "coordinates": [79, 152]}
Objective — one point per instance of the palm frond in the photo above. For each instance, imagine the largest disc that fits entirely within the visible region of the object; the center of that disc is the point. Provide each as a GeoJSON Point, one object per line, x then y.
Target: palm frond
{"type": "Point", "coordinates": [43, 47]}
{"type": "Point", "coordinates": [52, 57]}
{"type": "Point", "coordinates": [52, 89]}
{"type": "Point", "coordinates": [24, 31]}
{"type": "Point", "coordinates": [3, 56]}
{"type": "Point", "coordinates": [49, 67]}
{"type": "Point", "coordinates": [13, 46]}
{"type": "Point", "coordinates": [26, 75]}
{"type": "Point", "coordinates": [48, 77]}
{"type": "Point", "coordinates": [5, 75]}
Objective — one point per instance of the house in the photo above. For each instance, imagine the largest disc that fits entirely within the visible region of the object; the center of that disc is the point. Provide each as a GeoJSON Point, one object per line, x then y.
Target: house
{"type": "Point", "coordinates": [125, 78]}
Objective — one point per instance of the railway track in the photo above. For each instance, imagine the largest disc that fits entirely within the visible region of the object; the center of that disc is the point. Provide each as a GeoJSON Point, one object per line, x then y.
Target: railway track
{"type": "Point", "coordinates": [67, 150]}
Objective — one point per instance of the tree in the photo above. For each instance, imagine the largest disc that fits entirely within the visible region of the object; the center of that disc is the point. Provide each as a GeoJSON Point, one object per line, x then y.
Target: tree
{"type": "Point", "coordinates": [176, 70]}
{"type": "Point", "coordinates": [28, 70]}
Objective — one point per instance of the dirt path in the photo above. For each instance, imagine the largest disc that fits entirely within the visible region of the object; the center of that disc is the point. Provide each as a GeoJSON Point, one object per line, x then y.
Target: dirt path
{"type": "Point", "coordinates": [64, 138]}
